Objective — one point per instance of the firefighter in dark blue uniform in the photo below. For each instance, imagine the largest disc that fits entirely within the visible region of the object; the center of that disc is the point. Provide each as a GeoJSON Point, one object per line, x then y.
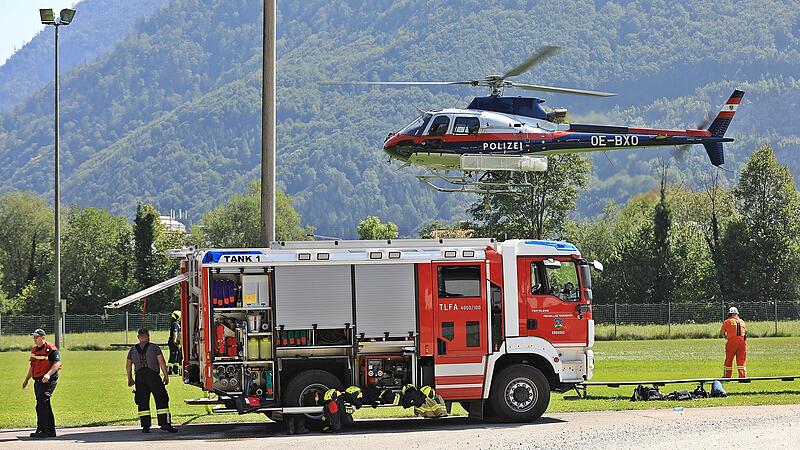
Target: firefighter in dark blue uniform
{"type": "Point", "coordinates": [45, 364]}
{"type": "Point", "coordinates": [147, 358]}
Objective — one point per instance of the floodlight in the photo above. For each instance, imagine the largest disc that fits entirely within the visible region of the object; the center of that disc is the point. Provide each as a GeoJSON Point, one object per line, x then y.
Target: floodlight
{"type": "Point", "coordinates": [47, 16]}
{"type": "Point", "coordinates": [66, 16]}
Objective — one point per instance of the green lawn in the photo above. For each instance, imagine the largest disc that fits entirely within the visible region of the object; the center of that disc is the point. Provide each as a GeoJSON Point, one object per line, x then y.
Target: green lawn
{"type": "Point", "coordinates": [93, 390]}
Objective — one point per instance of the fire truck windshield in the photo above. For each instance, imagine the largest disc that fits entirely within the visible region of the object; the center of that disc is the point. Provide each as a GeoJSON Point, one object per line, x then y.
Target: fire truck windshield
{"type": "Point", "coordinates": [564, 281]}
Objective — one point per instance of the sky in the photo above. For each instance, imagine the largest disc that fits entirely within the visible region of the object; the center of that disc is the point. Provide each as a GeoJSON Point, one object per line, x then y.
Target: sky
{"type": "Point", "coordinates": [19, 22]}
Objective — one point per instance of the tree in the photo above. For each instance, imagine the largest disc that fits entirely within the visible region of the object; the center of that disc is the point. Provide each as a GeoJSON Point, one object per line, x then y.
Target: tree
{"type": "Point", "coordinates": [760, 248]}
{"type": "Point", "coordinates": [145, 228]}
{"type": "Point", "coordinates": [26, 249]}
{"type": "Point", "coordinates": [372, 228]}
{"type": "Point", "coordinates": [237, 223]}
{"type": "Point", "coordinates": [436, 229]}
{"type": "Point", "coordinates": [541, 209]}
{"type": "Point", "coordinates": [662, 222]}
{"type": "Point", "coordinates": [96, 257]}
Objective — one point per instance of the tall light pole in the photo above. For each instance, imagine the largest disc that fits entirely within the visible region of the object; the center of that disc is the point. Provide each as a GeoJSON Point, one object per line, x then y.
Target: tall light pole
{"type": "Point", "coordinates": [268, 127]}
{"type": "Point", "coordinates": [64, 18]}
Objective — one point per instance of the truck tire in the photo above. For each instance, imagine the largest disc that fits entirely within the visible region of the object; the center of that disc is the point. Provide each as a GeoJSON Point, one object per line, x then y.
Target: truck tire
{"type": "Point", "coordinates": [520, 393]}
{"type": "Point", "coordinates": [300, 390]}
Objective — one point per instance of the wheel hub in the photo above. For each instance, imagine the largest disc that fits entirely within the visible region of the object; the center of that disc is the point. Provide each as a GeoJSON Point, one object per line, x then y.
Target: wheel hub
{"type": "Point", "coordinates": [521, 394]}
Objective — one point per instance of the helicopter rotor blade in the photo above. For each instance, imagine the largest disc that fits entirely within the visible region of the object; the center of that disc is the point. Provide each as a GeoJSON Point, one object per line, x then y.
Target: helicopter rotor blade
{"type": "Point", "coordinates": [537, 87]}
{"type": "Point", "coordinates": [395, 83]}
{"type": "Point", "coordinates": [539, 56]}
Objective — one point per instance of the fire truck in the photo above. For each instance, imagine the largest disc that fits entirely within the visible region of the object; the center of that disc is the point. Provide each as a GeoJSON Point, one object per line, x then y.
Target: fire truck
{"type": "Point", "coordinates": [495, 326]}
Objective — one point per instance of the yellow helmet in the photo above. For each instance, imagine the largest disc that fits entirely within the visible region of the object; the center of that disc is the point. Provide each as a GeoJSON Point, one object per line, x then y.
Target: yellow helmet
{"type": "Point", "coordinates": [176, 315]}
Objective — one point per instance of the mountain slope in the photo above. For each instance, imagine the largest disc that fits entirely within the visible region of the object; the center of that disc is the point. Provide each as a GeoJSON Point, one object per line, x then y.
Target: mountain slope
{"type": "Point", "coordinates": [98, 26]}
{"type": "Point", "coordinates": [171, 113]}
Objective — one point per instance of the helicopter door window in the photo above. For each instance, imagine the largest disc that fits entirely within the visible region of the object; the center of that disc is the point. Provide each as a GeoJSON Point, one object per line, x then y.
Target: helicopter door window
{"type": "Point", "coordinates": [466, 125]}
{"type": "Point", "coordinates": [439, 126]}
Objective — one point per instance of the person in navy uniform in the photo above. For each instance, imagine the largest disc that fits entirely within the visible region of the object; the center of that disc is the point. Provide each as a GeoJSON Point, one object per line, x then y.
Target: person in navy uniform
{"type": "Point", "coordinates": [45, 364]}
{"type": "Point", "coordinates": [147, 359]}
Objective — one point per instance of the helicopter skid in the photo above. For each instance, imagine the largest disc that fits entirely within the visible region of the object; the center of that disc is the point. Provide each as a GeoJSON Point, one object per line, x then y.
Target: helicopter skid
{"type": "Point", "coordinates": [464, 183]}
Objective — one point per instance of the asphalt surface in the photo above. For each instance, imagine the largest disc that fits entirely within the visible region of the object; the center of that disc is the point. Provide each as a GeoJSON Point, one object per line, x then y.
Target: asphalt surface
{"type": "Point", "coordinates": [701, 428]}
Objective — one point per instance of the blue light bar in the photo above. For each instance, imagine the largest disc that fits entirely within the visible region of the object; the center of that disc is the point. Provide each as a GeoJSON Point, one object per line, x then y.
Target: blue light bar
{"type": "Point", "coordinates": [560, 246]}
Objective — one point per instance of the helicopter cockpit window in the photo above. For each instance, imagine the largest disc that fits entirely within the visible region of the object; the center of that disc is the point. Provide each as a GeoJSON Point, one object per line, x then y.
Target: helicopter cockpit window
{"type": "Point", "coordinates": [439, 126]}
{"type": "Point", "coordinates": [466, 125]}
{"type": "Point", "coordinates": [416, 127]}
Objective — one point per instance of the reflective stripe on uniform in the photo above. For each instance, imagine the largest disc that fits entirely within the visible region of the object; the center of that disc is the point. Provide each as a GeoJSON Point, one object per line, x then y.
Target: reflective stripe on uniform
{"type": "Point", "coordinates": [144, 413]}
{"type": "Point", "coordinates": [38, 356]}
{"type": "Point", "coordinates": [162, 411]}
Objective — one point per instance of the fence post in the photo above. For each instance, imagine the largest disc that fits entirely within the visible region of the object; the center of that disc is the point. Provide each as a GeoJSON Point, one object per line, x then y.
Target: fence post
{"type": "Point", "coordinates": [1, 331]}
{"type": "Point", "coordinates": [669, 317]}
{"type": "Point", "coordinates": [776, 317]}
{"type": "Point", "coordinates": [126, 327]}
{"type": "Point", "coordinates": [615, 320]}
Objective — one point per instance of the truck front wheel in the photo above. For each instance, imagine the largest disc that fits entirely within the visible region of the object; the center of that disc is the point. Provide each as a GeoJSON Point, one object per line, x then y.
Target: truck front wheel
{"type": "Point", "coordinates": [520, 393]}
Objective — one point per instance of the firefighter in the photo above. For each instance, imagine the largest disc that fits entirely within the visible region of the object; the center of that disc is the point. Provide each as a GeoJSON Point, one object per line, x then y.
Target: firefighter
{"type": "Point", "coordinates": [45, 364]}
{"type": "Point", "coordinates": [735, 333]}
{"type": "Point", "coordinates": [174, 344]}
{"type": "Point", "coordinates": [147, 359]}
{"type": "Point", "coordinates": [332, 406]}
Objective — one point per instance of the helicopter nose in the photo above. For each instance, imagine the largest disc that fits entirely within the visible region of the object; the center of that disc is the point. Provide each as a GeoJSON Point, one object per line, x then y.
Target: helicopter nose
{"type": "Point", "coordinates": [396, 152]}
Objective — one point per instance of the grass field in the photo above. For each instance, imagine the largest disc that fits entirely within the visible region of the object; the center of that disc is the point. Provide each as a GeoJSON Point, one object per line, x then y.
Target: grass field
{"type": "Point", "coordinates": [92, 389]}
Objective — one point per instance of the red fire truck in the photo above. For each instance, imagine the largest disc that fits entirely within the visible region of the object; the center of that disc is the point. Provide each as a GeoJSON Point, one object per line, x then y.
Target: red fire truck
{"type": "Point", "coordinates": [493, 325]}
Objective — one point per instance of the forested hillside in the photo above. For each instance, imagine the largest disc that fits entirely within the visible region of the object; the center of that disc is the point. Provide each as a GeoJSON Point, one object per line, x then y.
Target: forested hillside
{"type": "Point", "coordinates": [170, 113]}
{"type": "Point", "coordinates": [100, 25]}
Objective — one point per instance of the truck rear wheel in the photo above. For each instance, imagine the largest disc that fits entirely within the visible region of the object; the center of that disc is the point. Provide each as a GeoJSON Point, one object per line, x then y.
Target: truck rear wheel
{"type": "Point", "coordinates": [520, 393]}
{"type": "Point", "coordinates": [307, 389]}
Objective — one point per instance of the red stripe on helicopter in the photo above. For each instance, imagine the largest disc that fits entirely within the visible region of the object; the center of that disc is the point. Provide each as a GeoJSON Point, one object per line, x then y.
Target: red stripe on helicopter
{"type": "Point", "coordinates": [700, 133]}
{"type": "Point", "coordinates": [734, 101]}
{"type": "Point", "coordinates": [726, 114]}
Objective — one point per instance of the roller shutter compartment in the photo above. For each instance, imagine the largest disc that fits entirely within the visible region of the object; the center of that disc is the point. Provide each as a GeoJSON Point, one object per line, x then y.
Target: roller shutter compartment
{"type": "Point", "coordinates": [321, 295]}
{"type": "Point", "coordinates": [385, 300]}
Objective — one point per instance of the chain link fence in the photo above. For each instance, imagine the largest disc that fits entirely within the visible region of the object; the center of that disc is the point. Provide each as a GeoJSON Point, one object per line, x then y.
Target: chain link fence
{"type": "Point", "coordinates": [94, 330]}
{"type": "Point", "coordinates": [613, 321]}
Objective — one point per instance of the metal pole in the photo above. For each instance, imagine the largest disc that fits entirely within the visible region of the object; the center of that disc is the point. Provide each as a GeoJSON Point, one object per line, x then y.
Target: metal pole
{"type": "Point", "coordinates": [58, 326]}
{"type": "Point", "coordinates": [1, 331]}
{"type": "Point", "coordinates": [126, 327]}
{"type": "Point", "coordinates": [669, 317]}
{"type": "Point", "coordinates": [268, 127]}
{"type": "Point", "coordinates": [776, 317]}
{"type": "Point", "coordinates": [615, 319]}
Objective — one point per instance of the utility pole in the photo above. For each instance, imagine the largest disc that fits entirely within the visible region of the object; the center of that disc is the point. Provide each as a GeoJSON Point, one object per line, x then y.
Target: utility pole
{"type": "Point", "coordinates": [268, 127]}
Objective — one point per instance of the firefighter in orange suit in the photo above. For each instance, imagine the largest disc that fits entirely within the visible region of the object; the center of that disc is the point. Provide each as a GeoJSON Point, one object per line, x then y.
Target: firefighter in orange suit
{"type": "Point", "coordinates": [735, 333]}
{"type": "Point", "coordinates": [45, 364]}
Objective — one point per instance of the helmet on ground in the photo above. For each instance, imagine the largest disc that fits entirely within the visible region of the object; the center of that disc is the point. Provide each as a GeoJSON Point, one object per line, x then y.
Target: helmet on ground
{"type": "Point", "coordinates": [428, 391]}
{"type": "Point", "coordinates": [733, 310]}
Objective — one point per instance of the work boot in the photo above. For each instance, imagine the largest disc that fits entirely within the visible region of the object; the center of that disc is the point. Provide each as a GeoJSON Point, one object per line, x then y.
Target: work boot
{"type": "Point", "coordinates": [38, 434]}
{"type": "Point", "coordinates": [169, 428]}
{"type": "Point", "coordinates": [145, 429]}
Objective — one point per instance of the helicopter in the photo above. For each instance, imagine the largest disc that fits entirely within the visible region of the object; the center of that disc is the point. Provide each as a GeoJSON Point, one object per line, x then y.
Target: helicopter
{"type": "Point", "coordinates": [497, 134]}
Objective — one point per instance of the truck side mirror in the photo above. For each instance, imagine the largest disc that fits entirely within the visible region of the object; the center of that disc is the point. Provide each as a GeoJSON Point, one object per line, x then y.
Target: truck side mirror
{"type": "Point", "coordinates": [597, 265]}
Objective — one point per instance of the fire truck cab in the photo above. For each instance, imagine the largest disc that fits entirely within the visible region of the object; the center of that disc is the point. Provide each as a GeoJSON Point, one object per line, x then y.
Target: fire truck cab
{"type": "Point", "coordinates": [494, 326]}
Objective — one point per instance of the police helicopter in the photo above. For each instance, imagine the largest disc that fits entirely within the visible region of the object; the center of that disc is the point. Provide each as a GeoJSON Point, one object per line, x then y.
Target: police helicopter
{"type": "Point", "coordinates": [497, 135]}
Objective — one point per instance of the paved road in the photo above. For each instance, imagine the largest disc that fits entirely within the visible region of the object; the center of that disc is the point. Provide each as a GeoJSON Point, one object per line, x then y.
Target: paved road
{"type": "Point", "coordinates": [700, 428]}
